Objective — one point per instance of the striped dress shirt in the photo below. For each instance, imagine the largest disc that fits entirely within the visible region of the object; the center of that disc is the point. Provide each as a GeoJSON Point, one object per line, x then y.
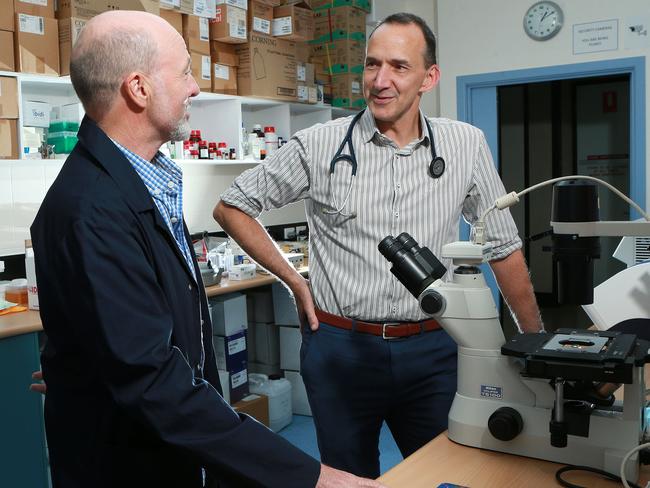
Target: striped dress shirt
{"type": "Point", "coordinates": [392, 193]}
{"type": "Point", "coordinates": [164, 181]}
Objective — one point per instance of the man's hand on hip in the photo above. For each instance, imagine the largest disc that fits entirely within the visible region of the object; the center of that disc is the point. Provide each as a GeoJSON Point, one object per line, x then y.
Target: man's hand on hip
{"type": "Point", "coordinates": [305, 304]}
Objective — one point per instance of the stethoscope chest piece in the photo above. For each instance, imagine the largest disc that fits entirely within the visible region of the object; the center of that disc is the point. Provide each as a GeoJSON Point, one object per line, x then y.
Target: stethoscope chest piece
{"type": "Point", "coordinates": [436, 167]}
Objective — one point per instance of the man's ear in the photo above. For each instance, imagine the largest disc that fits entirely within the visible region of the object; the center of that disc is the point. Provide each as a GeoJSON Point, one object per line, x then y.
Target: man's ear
{"type": "Point", "coordinates": [430, 79]}
{"type": "Point", "coordinates": [137, 90]}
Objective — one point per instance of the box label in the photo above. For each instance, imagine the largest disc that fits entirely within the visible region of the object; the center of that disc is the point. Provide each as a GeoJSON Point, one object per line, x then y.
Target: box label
{"type": "Point", "coordinates": [261, 25]}
{"type": "Point", "coordinates": [205, 68]}
{"type": "Point", "coordinates": [237, 23]}
{"type": "Point", "coordinates": [235, 3]}
{"type": "Point", "coordinates": [221, 71]}
{"type": "Point", "coordinates": [204, 8]}
{"type": "Point", "coordinates": [171, 3]}
{"type": "Point", "coordinates": [42, 3]}
{"type": "Point", "coordinates": [238, 379]}
{"type": "Point", "coordinates": [301, 72]}
{"type": "Point", "coordinates": [204, 29]}
{"type": "Point", "coordinates": [281, 26]}
{"type": "Point", "coordinates": [31, 24]}
{"type": "Point", "coordinates": [238, 345]}
{"type": "Point", "coordinates": [356, 87]}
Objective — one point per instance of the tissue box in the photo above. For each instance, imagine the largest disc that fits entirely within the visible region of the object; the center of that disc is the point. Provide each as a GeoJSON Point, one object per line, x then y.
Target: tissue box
{"type": "Point", "coordinates": [241, 272]}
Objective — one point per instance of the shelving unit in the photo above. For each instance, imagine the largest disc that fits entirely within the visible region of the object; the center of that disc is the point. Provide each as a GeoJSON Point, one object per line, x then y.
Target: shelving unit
{"type": "Point", "coordinates": [24, 182]}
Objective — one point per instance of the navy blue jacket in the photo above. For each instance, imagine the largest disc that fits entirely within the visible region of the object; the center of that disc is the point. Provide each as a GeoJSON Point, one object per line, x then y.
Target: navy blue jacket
{"type": "Point", "coordinates": [133, 391]}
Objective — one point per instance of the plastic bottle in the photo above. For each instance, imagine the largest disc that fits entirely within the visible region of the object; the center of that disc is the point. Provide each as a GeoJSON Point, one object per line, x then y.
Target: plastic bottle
{"type": "Point", "coordinates": [279, 392]}
{"type": "Point", "coordinates": [16, 291]}
{"type": "Point", "coordinates": [270, 140]}
{"type": "Point", "coordinates": [228, 258]}
{"type": "Point", "coordinates": [245, 146]}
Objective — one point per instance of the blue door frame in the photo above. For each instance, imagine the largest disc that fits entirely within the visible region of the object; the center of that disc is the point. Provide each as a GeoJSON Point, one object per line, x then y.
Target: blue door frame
{"type": "Point", "coordinates": [476, 97]}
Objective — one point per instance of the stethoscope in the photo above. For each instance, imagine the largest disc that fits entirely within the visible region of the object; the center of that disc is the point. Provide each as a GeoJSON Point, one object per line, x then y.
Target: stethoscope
{"type": "Point", "coordinates": [436, 166]}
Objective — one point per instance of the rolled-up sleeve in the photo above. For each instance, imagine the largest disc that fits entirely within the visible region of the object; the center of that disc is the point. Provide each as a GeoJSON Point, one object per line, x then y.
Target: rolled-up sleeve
{"type": "Point", "coordinates": [500, 228]}
{"type": "Point", "coordinates": [274, 183]}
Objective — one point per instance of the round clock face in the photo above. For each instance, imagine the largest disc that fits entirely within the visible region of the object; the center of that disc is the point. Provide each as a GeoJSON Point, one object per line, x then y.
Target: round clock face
{"type": "Point", "coordinates": [543, 20]}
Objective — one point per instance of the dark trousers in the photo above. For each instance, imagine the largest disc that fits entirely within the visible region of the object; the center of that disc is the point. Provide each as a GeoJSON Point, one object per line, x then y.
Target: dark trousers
{"type": "Point", "coordinates": [356, 381]}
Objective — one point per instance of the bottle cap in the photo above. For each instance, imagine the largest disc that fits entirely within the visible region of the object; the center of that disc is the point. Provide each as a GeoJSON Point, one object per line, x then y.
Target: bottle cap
{"type": "Point", "coordinates": [269, 128]}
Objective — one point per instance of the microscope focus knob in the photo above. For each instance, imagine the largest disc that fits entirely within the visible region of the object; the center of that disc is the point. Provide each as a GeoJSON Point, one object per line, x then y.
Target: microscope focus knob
{"type": "Point", "coordinates": [505, 423]}
{"type": "Point", "coordinates": [432, 302]}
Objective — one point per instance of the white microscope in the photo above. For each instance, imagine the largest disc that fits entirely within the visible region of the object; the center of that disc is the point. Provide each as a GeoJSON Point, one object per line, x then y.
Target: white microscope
{"type": "Point", "coordinates": [527, 396]}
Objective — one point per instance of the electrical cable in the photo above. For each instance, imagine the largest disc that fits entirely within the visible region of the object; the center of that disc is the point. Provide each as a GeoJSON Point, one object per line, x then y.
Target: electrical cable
{"type": "Point", "coordinates": [605, 474]}
{"type": "Point", "coordinates": [511, 198]}
{"type": "Point", "coordinates": [626, 459]}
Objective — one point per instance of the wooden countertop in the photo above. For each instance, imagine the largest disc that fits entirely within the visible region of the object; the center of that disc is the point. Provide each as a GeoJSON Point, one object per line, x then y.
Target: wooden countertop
{"type": "Point", "coordinates": [19, 323]}
{"type": "Point", "coordinates": [444, 461]}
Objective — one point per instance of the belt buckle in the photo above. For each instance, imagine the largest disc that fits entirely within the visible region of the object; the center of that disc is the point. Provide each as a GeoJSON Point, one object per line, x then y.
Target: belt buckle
{"type": "Point", "coordinates": [383, 330]}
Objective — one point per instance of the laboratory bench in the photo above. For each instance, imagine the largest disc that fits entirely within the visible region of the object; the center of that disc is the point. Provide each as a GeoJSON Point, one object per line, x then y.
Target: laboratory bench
{"type": "Point", "coordinates": [444, 461]}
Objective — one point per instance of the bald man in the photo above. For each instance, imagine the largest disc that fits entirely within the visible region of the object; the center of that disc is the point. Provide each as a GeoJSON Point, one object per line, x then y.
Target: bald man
{"type": "Point", "coordinates": [133, 396]}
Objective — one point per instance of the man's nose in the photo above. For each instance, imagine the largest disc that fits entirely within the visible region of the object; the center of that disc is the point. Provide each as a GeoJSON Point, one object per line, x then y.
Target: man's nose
{"type": "Point", "coordinates": [382, 79]}
{"type": "Point", "coordinates": [195, 90]}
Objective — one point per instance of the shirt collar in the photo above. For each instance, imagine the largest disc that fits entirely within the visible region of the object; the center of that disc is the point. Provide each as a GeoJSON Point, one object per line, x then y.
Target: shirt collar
{"type": "Point", "coordinates": [368, 128]}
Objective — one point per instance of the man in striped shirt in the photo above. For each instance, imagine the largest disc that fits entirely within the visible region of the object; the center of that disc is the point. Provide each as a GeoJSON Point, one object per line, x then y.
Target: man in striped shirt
{"type": "Point", "coordinates": [355, 377]}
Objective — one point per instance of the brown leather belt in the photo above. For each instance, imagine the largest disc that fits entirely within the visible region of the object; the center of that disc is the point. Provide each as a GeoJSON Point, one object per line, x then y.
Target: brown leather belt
{"type": "Point", "coordinates": [388, 330]}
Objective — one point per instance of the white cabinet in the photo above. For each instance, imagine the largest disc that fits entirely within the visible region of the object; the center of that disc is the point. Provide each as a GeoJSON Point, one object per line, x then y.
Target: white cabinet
{"type": "Point", "coordinates": [23, 183]}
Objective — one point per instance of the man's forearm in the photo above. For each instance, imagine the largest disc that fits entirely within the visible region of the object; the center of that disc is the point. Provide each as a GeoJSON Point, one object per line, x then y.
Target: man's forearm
{"type": "Point", "coordinates": [514, 282]}
{"type": "Point", "coordinates": [254, 239]}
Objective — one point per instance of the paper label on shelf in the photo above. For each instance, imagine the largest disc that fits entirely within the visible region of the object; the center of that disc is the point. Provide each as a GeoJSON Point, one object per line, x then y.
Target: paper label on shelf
{"type": "Point", "coordinates": [237, 22]}
{"type": "Point", "coordinates": [238, 379]}
{"type": "Point", "coordinates": [221, 71]}
{"type": "Point", "coordinates": [205, 68]}
{"type": "Point", "coordinates": [281, 26]}
{"type": "Point", "coordinates": [204, 29]}
{"type": "Point", "coordinates": [356, 87]}
{"type": "Point", "coordinates": [42, 3]}
{"type": "Point", "coordinates": [261, 25]}
{"type": "Point", "coordinates": [32, 24]}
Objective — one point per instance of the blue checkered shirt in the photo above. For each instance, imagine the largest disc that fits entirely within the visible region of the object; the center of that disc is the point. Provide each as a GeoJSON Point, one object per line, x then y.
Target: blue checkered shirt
{"type": "Point", "coordinates": [164, 180]}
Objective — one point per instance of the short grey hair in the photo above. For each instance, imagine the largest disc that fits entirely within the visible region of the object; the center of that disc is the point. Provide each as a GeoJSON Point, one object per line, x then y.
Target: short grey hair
{"type": "Point", "coordinates": [98, 64]}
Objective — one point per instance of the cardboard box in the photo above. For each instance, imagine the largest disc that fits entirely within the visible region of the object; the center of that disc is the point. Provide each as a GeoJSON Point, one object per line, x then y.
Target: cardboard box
{"type": "Point", "coordinates": [272, 3]}
{"type": "Point", "coordinates": [229, 314]}
{"type": "Point", "coordinates": [267, 342]}
{"type": "Point", "coordinates": [347, 91]}
{"type": "Point", "coordinates": [68, 112]}
{"type": "Point", "coordinates": [8, 97]}
{"type": "Point", "coordinates": [196, 34]}
{"type": "Point", "coordinates": [238, 385]}
{"type": "Point", "coordinates": [224, 80]}
{"type": "Point", "coordinates": [267, 369]}
{"type": "Point", "coordinates": [69, 30]}
{"type": "Point", "coordinates": [260, 16]}
{"type": "Point", "coordinates": [174, 17]}
{"type": "Point", "coordinates": [298, 3]}
{"type": "Point", "coordinates": [290, 341]}
{"type": "Point", "coordinates": [180, 6]}
{"type": "Point", "coordinates": [36, 43]}
{"type": "Point", "coordinates": [224, 379]}
{"type": "Point", "coordinates": [303, 51]}
{"type": "Point", "coordinates": [9, 139]}
{"type": "Point", "coordinates": [6, 19]}
{"type": "Point", "coordinates": [284, 306]}
{"type": "Point", "coordinates": [260, 306]}
{"type": "Point", "coordinates": [235, 3]}
{"type": "Point", "coordinates": [231, 351]}
{"type": "Point", "coordinates": [229, 25]}
{"type": "Point", "coordinates": [299, 401]}
{"type": "Point", "coordinates": [241, 272]}
{"type": "Point", "coordinates": [267, 68]}
{"type": "Point", "coordinates": [80, 9]}
{"type": "Point", "coordinates": [255, 405]}
{"type": "Point", "coordinates": [7, 62]}
{"type": "Point", "coordinates": [339, 23]}
{"type": "Point", "coordinates": [294, 23]}
{"type": "Point", "coordinates": [223, 53]}
{"type": "Point", "coordinates": [202, 71]}
{"type": "Point", "coordinates": [342, 56]}
{"type": "Point", "coordinates": [150, 6]}
{"type": "Point", "coordinates": [41, 8]}
{"type": "Point", "coordinates": [323, 4]}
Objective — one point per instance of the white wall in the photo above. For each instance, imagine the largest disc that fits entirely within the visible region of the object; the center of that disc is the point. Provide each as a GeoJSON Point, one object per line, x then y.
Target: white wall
{"type": "Point", "coordinates": [425, 9]}
{"type": "Point", "coordinates": [483, 37]}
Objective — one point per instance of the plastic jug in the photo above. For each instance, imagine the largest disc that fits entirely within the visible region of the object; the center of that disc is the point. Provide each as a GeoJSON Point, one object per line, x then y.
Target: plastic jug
{"type": "Point", "coordinates": [279, 393]}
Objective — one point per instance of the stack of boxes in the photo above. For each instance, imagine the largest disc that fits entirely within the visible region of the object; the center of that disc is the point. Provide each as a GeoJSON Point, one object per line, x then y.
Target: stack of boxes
{"type": "Point", "coordinates": [339, 48]}
{"type": "Point", "coordinates": [264, 334]}
{"type": "Point", "coordinates": [8, 118]}
{"type": "Point", "coordinates": [286, 316]}
{"type": "Point", "coordinates": [229, 322]}
{"type": "Point", "coordinates": [36, 37]}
